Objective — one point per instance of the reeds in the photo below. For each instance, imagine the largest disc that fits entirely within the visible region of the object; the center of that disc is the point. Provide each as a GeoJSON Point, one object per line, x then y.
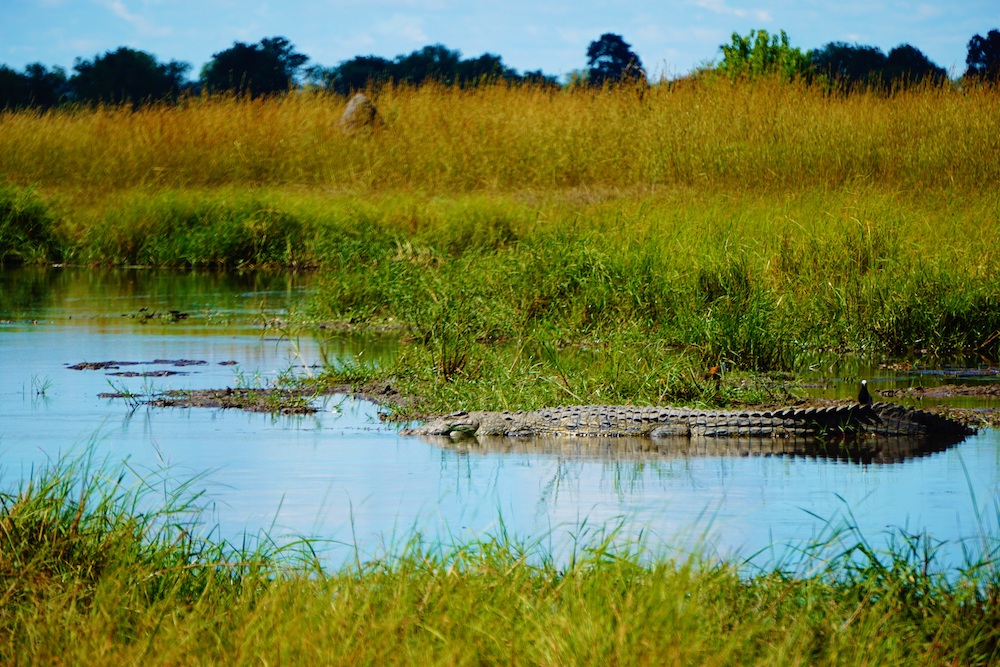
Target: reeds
{"type": "Point", "coordinates": [93, 570]}
{"type": "Point", "coordinates": [751, 223]}
{"type": "Point", "coordinates": [498, 138]}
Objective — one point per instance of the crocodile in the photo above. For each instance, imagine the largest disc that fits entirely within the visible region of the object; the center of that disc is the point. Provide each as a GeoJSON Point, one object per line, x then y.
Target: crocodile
{"type": "Point", "coordinates": [850, 421]}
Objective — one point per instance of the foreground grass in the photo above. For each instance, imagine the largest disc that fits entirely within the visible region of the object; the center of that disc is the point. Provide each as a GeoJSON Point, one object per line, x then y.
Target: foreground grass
{"type": "Point", "coordinates": [95, 570]}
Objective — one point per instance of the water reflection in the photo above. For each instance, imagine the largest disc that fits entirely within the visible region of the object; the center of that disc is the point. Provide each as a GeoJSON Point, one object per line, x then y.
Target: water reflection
{"type": "Point", "coordinates": [345, 478]}
{"type": "Point", "coordinates": [862, 451]}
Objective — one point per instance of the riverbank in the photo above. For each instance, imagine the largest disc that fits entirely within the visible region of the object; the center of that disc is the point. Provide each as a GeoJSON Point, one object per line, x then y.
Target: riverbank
{"type": "Point", "coordinates": [689, 247]}
{"type": "Point", "coordinates": [87, 575]}
{"type": "Point", "coordinates": [503, 303]}
{"type": "Point", "coordinates": [750, 226]}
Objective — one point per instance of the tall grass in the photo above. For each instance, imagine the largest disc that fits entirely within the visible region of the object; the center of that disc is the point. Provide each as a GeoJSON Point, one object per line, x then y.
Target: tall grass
{"type": "Point", "coordinates": [91, 571]}
{"type": "Point", "coordinates": [720, 135]}
{"type": "Point", "coordinates": [731, 278]}
{"type": "Point", "coordinates": [761, 281]}
{"type": "Point", "coordinates": [755, 224]}
{"type": "Point", "coordinates": [27, 228]}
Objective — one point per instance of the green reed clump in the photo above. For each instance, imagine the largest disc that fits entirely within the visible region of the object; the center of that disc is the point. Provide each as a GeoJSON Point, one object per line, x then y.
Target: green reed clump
{"type": "Point", "coordinates": [166, 229]}
{"type": "Point", "coordinates": [541, 371]}
{"type": "Point", "coordinates": [91, 548]}
{"type": "Point", "coordinates": [28, 233]}
{"type": "Point", "coordinates": [92, 571]}
{"type": "Point", "coordinates": [728, 279]}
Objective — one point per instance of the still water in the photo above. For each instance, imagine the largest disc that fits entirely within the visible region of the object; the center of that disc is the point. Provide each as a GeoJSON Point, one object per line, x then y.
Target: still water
{"type": "Point", "coordinates": [346, 479]}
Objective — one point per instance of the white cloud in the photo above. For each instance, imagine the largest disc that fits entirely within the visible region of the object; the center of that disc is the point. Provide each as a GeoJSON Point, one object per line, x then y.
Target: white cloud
{"type": "Point", "coordinates": [140, 23]}
{"type": "Point", "coordinates": [926, 11]}
{"type": "Point", "coordinates": [409, 28]}
{"type": "Point", "coordinates": [720, 7]}
{"type": "Point", "coordinates": [119, 9]}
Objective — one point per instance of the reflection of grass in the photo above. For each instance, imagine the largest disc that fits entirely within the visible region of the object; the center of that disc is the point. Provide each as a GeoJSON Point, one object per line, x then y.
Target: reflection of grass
{"type": "Point", "coordinates": [94, 564]}
{"type": "Point", "coordinates": [132, 399]}
{"type": "Point", "coordinates": [40, 385]}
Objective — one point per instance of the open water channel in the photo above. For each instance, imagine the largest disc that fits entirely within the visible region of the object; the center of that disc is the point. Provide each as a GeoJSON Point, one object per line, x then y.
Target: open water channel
{"type": "Point", "coordinates": [343, 477]}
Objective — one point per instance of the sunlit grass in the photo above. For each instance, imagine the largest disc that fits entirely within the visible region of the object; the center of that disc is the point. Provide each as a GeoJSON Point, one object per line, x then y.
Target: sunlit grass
{"type": "Point", "coordinates": [536, 247]}
{"type": "Point", "coordinates": [497, 138]}
{"type": "Point", "coordinates": [753, 224]}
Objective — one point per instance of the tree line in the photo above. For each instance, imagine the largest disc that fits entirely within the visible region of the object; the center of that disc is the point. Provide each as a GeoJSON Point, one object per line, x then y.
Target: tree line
{"type": "Point", "coordinates": [273, 66]}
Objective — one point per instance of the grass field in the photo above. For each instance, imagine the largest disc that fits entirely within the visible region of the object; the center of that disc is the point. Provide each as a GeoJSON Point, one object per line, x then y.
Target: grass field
{"type": "Point", "coordinates": [532, 248]}
{"type": "Point", "coordinates": [719, 136]}
{"type": "Point", "coordinates": [757, 225]}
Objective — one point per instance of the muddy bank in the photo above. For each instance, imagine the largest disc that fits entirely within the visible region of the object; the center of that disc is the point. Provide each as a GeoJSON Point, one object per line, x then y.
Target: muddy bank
{"type": "Point", "coordinates": [276, 400]}
{"type": "Point", "coordinates": [945, 391]}
{"type": "Point", "coordinates": [269, 399]}
{"type": "Point", "coordinates": [117, 365]}
{"type": "Point", "coordinates": [400, 407]}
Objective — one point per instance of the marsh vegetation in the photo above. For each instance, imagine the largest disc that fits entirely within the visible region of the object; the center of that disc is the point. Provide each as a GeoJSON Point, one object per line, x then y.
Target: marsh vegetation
{"type": "Point", "coordinates": [99, 565]}
{"type": "Point", "coordinates": [533, 247]}
{"type": "Point", "coordinates": [673, 229]}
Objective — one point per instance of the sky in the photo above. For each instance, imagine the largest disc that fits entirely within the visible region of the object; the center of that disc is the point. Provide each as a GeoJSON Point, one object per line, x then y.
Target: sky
{"type": "Point", "coordinates": [671, 37]}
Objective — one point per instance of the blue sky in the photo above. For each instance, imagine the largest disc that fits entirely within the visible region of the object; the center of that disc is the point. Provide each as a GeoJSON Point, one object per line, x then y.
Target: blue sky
{"type": "Point", "coordinates": [670, 36]}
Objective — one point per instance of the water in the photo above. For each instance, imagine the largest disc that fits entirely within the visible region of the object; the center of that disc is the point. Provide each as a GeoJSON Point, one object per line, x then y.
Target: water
{"type": "Point", "coordinates": [343, 477]}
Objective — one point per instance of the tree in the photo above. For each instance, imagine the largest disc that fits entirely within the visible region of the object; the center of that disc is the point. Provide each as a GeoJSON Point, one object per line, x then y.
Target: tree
{"type": "Point", "coordinates": [268, 67]}
{"type": "Point", "coordinates": [907, 65]}
{"type": "Point", "coordinates": [539, 78]}
{"type": "Point", "coordinates": [610, 59]}
{"type": "Point", "coordinates": [48, 87]}
{"type": "Point", "coordinates": [857, 66]}
{"type": "Point", "coordinates": [126, 75]}
{"type": "Point", "coordinates": [983, 59]}
{"type": "Point", "coordinates": [431, 63]}
{"type": "Point", "coordinates": [37, 87]}
{"type": "Point", "coordinates": [435, 63]}
{"type": "Point", "coordinates": [487, 68]}
{"type": "Point", "coordinates": [761, 54]}
{"type": "Point", "coordinates": [851, 66]}
{"type": "Point", "coordinates": [358, 73]}
{"type": "Point", "coordinates": [13, 89]}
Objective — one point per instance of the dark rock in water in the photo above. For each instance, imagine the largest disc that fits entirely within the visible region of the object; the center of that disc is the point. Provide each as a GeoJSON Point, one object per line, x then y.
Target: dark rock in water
{"type": "Point", "coordinates": [359, 116]}
{"type": "Point", "coordinates": [147, 374]}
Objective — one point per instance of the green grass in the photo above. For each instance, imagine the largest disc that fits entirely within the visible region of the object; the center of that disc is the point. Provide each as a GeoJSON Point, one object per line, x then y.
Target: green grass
{"type": "Point", "coordinates": [532, 248]}
{"type": "Point", "coordinates": [757, 225]}
{"type": "Point", "coordinates": [516, 300]}
{"type": "Point", "coordinates": [98, 565]}
{"type": "Point", "coordinates": [634, 300]}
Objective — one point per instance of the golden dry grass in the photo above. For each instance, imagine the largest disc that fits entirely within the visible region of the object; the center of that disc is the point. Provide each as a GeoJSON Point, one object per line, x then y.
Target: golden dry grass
{"type": "Point", "coordinates": [718, 135]}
